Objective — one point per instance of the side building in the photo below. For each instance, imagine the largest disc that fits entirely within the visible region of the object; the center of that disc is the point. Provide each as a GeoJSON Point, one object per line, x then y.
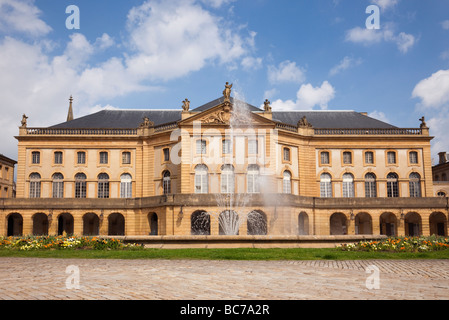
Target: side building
{"type": "Point", "coordinates": [7, 185]}
{"type": "Point", "coordinates": [441, 176]}
{"type": "Point", "coordinates": [224, 168]}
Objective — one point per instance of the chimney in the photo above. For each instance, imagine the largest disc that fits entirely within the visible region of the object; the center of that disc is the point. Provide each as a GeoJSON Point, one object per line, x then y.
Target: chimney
{"type": "Point", "coordinates": [70, 114]}
{"type": "Point", "coordinates": [443, 157]}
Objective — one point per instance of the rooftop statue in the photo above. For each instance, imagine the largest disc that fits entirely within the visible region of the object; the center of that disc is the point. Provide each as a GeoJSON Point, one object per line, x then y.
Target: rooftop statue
{"type": "Point", "coordinates": [227, 91]}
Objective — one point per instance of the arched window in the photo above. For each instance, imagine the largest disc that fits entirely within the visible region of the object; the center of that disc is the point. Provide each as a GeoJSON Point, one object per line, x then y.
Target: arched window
{"type": "Point", "coordinates": [326, 185]}
{"type": "Point", "coordinates": [227, 179]}
{"type": "Point", "coordinates": [252, 178]}
{"type": "Point", "coordinates": [303, 224]}
{"type": "Point", "coordinates": [370, 185]}
{"type": "Point", "coordinates": [153, 223]}
{"type": "Point", "coordinates": [166, 182]}
{"type": "Point", "coordinates": [80, 185]}
{"type": "Point", "coordinates": [392, 185]}
{"type": "Point", "coordinates": [200, 223]}
{"type": "Point", "coordinates": [116, 224]}
{"type": "Point", "coordinates": [287, 182]}
{"type": "Point", "coordinates": [58, 185]}
{"type": "Point", "coordinates": [35, 185]}
{"type": "Point", "coordinates": [201, 179]}
{"type": "Point", "coordinates": [103, 185]}
{"type": "Point", "coordinates": [348, 185]}
{"type": "Point", "coordinates": [256, 223]}
{"type": "Point", "coordinates": [228, 223]}
{"type": "Point", "coordinates": [415, 185]}
{"type": "Point", "coordinates": [126, 183]}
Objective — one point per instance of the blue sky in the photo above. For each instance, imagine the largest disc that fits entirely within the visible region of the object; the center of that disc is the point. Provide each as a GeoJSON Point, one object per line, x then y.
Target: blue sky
{"type": "Point", "coordinates": [299, 54]}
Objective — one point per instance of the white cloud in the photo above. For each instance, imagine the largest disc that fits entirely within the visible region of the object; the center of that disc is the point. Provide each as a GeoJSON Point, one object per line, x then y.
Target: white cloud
{"type": "Point", "coordinates": [251, 63]}
{"type": "Point", "coordinates": [307, 98]}
{"type": "Point", "coordinates": [22, 16]}
{"type": "Point", "coordinates": [173, 38]}
{"type": "Point", "coordinates": [105, 41]}
{"type": "Point", "coordinates": [78, 50]}
{"type": "Point", "coordinates": [404, 41]}
{"type": "Point", "coordinates": [368, 37]}
{"type": "Point", "coordinates": [286, 72]}
{"type": "Point", "coordinates": [445, 24]}
{"type": "Point", "coordinates": [379, 115]}
{"type": "Point", "coordinates": [433, 91]}
{"type": "Point", "coordinates": [386, 4]}
{"type": "Point", "coordinates": [169, 40]}
{"type": "Point", "coordinates": [438, 125]}
{"type": "Point", "coordinates": [344, 64]}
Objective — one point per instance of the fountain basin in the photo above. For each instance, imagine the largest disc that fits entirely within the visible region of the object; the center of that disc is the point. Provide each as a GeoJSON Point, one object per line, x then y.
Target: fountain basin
{"type": "Point", "coordinates": [245, 241]}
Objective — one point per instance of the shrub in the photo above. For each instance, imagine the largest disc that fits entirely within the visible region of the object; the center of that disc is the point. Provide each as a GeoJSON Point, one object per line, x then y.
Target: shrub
{"type": "Point", "coordinates": [400, 244]}
{"type": "Point", "coordinates": [62, 243]}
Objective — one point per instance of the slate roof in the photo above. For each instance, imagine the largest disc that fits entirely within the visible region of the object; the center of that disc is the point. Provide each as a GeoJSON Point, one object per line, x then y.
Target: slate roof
{"type": "Point", "coordinates": [107, 119]}
{"type": "Point", "coordinates": [331, 119]}
{"type": "Point", "coordinates": [121, 119]}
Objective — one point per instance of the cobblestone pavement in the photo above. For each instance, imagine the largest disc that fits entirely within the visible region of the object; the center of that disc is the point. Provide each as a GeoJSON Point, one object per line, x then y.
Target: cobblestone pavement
{"type": "Point", "coordinates": [29, 278]}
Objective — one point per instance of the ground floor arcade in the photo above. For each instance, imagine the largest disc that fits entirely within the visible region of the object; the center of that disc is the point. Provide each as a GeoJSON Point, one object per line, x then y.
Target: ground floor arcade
{"type": "Point", "coordinates": [198, 215]}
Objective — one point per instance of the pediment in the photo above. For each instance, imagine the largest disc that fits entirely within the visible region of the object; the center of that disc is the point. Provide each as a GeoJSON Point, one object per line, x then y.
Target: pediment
{"type": "Point", "coordinates": [226, 114]}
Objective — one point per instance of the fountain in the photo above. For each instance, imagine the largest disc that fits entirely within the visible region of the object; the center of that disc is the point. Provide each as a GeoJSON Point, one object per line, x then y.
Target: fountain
{"type": "Point", "coordinates": [232, 207]}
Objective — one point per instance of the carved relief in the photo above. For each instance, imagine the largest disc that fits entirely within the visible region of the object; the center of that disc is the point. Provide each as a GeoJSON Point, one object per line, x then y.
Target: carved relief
{"type": "Point", "coordinates": [220, 117]}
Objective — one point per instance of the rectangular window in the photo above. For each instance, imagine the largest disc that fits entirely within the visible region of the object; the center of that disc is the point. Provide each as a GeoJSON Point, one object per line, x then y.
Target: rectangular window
{"type": "Point", "coordinates": [103, 189]}
{"type": "Point", "coordinates": [347, 157]}
{"type": "Point", "coordinates": [81, 157]}
{"type": "Point", "coordinates": [324, 157]}
{"type": "Point", "coordinates": [126, 189]}
{"type": "Point", "coordinates": [35, 189]}
{"type": "Point", "coordinates": [80, 189]}
{"type": "Point", "coordinates": [36, 157]}
{"type": "Point", "coordinates": [126, 157]}
{"type": "Point", "coordinates": [166, 154]}
{"type": "Point", "coordinates": [103, 157]}
{"type": "Point", "coordinates": [252, 147]}
{"type": "Point", "coordinates": [286, 154]}
{"type": "Point", "coordinates": [413, 155]}
{"type": "Point", "coordinates": [227, 147]}
{"type": "Point", "coordinates": [370, 189]}
{"type": "Point", "coordinates": [391, 157]}
{"type": "Point", "coordinates": [201, 147]}
{"type": "Point", "coordinates": [58, 189]}
{"type": "Point", "coordinates": [58, 157]}
{"type": "Point", "coordinates": [369, 157]}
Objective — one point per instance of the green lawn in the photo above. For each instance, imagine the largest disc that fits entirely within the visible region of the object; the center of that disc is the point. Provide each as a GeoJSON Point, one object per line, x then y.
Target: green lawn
{"type": "Point", "coordinates": [225, 254]}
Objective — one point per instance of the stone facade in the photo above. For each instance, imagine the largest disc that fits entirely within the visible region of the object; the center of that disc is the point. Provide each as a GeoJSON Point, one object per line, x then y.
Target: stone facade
{"type": "Point", "coordinates": [441, 176]}
{"type": "Point", "coordinates": [7, 187]}
{"type": "Point", "coordinates": [184, 172]}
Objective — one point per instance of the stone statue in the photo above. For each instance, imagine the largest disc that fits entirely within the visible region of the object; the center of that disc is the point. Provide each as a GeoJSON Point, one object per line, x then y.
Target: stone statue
{"type": "Point", "coordinates": [24, 120]}
{"type": "Point", "coordinates": [423, 123]}
{"type": "Point", "coordinates": [304, 123]}
{"type": "Point", "coordinates": [227, 91]}
{"type": "Point", "coordinates": [146, 123]}
{"type": "Point", "coordinates": [186, 105]}
{"type": "Point", "coordinates": [266, 106]}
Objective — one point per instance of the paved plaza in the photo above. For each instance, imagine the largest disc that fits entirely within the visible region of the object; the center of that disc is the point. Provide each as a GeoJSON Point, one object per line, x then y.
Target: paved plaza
{"type": "Point", "coordinates": [68, 279]}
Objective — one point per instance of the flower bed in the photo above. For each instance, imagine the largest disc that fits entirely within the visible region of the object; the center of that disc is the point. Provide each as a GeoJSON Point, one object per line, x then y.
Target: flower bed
{"type": "Point", "coordinates": [400, 244]}
{"type": "Point", "coordinates": [62, 243]}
